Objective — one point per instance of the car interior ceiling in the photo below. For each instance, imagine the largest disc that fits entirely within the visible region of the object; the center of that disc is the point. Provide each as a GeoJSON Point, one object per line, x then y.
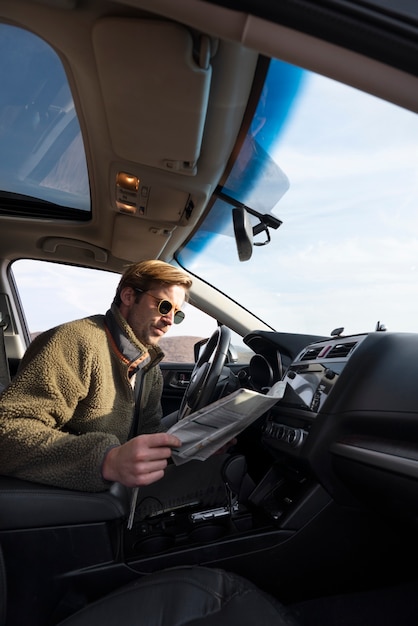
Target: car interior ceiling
{"type": "Point", "coordinates": [317, 506]}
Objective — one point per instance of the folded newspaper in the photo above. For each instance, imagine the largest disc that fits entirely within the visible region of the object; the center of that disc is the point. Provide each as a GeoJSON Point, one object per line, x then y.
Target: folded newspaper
{"type": "Point", "coordinates": [204, 432]}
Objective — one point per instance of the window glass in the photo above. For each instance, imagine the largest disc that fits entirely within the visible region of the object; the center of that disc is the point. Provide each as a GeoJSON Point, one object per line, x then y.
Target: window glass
{"type": "Point", "coordinates": [52, 294]}
{"type": "Point", "coordinates": [42, 154]}
{"type": "Point", "coordinates": [339, 169]}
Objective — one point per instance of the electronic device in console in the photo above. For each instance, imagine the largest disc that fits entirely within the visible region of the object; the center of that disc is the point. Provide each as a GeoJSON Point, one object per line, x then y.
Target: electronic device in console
{"type": "Point", "coordinates": [313, 374]}
{"type": "Point", "coordinates": [310, 380]}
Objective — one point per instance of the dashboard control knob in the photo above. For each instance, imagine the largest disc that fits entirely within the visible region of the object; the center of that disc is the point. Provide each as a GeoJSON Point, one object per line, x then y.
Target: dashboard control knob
{"type": "Point", "coordinates": [289, 435]}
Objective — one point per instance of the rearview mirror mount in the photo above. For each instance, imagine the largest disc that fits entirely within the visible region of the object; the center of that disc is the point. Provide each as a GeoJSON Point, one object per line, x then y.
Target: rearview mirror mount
{"type": "Point", "coordinates": [244, 231]}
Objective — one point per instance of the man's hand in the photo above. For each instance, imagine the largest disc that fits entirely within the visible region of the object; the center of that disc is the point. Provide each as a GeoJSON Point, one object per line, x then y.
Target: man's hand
{"type": "Point", "coordinates": [140, 461]}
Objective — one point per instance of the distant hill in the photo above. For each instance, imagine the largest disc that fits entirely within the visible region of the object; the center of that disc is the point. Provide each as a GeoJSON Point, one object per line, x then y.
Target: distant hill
{"type": "Point", "coordinates": [178, 349]}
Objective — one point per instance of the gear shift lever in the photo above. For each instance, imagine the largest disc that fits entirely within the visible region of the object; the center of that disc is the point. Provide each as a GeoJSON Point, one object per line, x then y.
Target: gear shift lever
{"type": "Point", "coordinates": [233, 472]}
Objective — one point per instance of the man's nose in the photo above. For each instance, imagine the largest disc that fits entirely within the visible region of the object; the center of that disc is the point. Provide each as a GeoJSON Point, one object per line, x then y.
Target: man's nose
{"type": "Point", "coordinates": [169, 317]}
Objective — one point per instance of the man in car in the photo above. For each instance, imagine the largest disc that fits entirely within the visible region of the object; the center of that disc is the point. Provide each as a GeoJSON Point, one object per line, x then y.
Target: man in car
{"type": "Point", "coordinates": [84, 409]}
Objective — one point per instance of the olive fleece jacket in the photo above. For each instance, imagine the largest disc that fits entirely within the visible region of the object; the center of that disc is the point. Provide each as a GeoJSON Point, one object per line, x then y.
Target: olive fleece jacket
{"type": "Point", "coordinates": [72, 400]}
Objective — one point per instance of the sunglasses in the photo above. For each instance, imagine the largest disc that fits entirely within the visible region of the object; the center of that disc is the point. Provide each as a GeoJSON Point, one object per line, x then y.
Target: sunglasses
{"type": "Point", "coordinates": [164, 307]}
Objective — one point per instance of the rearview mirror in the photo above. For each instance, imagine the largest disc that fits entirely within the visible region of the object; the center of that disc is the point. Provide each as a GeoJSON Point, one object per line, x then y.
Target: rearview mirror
{"type": "Point", "coordinates": [243, 231]}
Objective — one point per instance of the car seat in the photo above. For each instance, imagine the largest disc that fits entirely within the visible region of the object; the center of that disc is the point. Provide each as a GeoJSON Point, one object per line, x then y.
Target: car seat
{"type": "Point", "coordinates": [192, 595]}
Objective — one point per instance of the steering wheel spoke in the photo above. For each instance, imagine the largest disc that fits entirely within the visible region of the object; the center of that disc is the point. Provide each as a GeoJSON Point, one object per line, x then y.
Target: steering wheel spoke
{"type": "Point", "coordinates": [206, 373]}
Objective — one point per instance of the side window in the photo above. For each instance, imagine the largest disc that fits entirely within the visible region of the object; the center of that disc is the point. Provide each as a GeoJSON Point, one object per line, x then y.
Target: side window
{"type": "Point", "coordinates": [52, 294]}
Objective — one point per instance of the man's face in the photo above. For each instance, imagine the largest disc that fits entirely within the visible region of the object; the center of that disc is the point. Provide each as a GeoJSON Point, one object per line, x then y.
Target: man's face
{"type": "Point", "coordinates": [143, 316]}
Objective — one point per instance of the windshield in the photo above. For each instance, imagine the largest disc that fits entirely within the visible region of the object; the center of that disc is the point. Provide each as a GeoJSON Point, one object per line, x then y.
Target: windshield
{"type": "Point", "coordinates": [339, 169]}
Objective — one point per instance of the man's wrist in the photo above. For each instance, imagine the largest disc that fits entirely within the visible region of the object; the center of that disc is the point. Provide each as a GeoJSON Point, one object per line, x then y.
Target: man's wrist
{"type": "Point", "coordinates": [106, 470]}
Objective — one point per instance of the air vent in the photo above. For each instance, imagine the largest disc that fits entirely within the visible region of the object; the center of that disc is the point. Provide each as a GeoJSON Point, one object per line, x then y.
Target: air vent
{"type": "Point", "coordinates": [340, 350]}
{"type": "Point", "coordinates": [311, 353]}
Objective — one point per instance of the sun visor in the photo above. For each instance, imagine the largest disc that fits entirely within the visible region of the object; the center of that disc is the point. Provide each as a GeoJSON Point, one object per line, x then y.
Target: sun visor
{"type": "Point", "coordinates": [156, 107]}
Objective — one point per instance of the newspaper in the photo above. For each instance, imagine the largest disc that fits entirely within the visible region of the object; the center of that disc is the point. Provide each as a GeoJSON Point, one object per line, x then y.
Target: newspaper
{"type": "Point", "coordinates": [204, 432]}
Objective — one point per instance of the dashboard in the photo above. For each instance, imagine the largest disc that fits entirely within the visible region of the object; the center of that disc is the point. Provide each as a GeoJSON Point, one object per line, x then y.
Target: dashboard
{"type": "Point", "coordinates": [349, 415]}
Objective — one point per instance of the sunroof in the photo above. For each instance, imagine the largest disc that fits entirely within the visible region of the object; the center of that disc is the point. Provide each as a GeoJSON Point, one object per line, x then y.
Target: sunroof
{"type": "Point", "coordinates": [43, 169]}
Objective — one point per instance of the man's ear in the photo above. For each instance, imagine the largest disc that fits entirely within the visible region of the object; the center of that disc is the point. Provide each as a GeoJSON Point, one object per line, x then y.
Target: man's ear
{"type": "Point", "coordinates": [127, 296]}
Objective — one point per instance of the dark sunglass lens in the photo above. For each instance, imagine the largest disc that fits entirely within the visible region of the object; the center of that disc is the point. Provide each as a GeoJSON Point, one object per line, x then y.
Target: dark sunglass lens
{"type": "Point", "coordinates": [178, 317]}
{"type": "Point", "coordinates": [165, 307]}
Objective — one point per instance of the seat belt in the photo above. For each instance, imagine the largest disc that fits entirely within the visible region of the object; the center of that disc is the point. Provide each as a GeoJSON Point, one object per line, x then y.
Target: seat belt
{"type": "Point", "coordinates": [4, 364]}
{"type": "Point", "coordinates": [139, 381]}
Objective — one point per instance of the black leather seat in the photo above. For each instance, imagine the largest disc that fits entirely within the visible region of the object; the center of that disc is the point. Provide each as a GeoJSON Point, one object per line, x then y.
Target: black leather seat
{"type": "Point", "coordinates": [185, 595]}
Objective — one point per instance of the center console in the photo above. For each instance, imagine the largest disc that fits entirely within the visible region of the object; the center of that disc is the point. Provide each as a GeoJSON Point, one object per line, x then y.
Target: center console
{"type": "Point", "coordinates": [310, 381]}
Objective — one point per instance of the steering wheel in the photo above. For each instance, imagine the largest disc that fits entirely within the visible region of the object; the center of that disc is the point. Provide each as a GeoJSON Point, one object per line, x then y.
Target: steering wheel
{"type": "Point", "coordinates": [206, 372]}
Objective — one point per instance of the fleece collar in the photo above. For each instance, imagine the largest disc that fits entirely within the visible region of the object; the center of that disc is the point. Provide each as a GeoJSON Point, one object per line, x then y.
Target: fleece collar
{"type": "Point", "coordinates": [124, 342]}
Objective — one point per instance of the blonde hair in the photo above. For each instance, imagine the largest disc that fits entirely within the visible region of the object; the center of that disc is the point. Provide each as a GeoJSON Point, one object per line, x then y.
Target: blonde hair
{"type": "Point", "coordinates": [146, 275]}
